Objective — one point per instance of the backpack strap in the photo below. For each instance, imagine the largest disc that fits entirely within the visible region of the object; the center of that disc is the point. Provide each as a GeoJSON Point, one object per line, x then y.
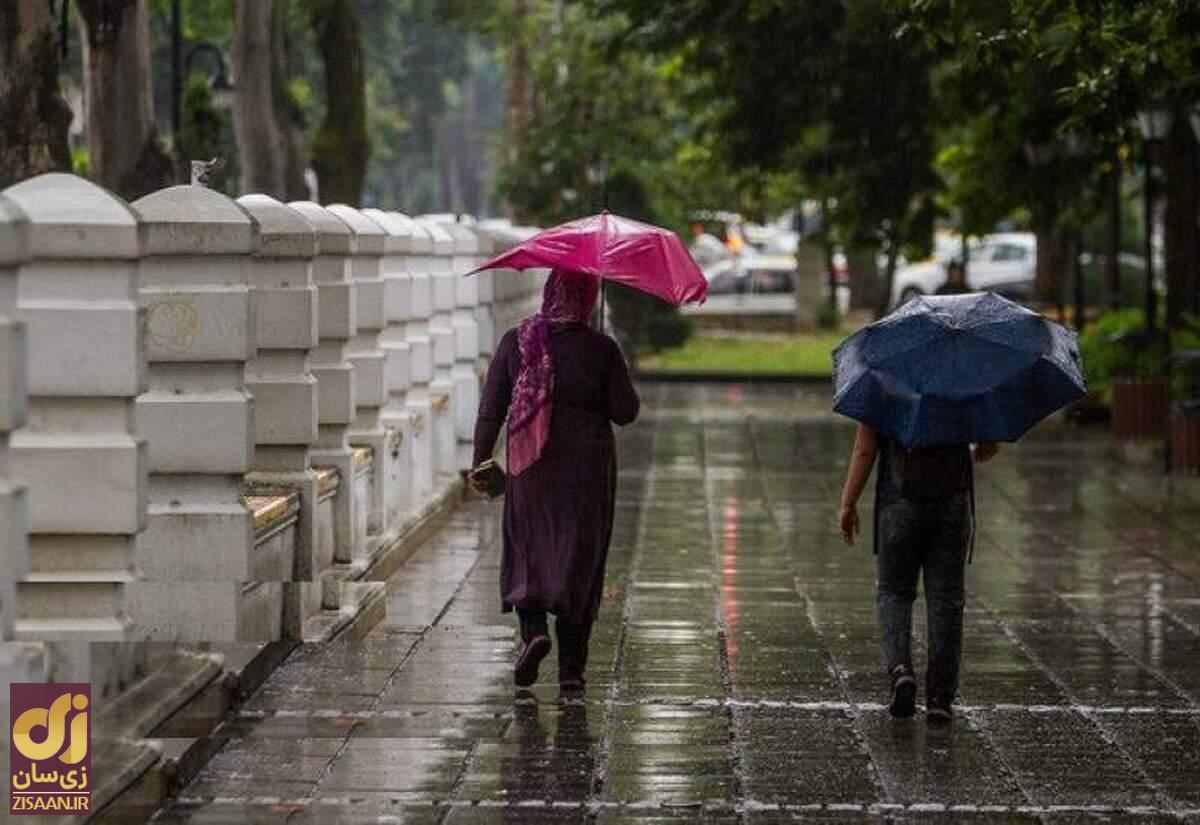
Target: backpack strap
{"type": "Point", "coordinates": [971, 493]}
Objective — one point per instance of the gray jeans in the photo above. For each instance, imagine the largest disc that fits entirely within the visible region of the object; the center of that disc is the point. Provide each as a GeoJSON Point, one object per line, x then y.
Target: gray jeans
{"type": "Point", "coordinates": [930, 535]}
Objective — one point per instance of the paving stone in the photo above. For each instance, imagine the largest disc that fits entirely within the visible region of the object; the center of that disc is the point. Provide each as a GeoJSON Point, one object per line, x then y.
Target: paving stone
{"type": "Point", "coordinates": [735, 673]}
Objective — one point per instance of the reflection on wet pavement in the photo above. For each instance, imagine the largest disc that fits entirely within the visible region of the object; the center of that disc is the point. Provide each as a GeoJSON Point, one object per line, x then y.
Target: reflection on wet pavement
{"type": "Point", "coordinates": [735, 673]}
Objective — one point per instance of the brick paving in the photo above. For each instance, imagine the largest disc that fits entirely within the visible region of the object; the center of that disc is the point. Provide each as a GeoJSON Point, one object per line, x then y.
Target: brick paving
{"type": "Point", "coordinates": [735, 673]}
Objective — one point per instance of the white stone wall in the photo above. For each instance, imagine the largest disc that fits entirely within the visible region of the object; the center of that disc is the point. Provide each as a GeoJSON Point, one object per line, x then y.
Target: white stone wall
{"type": "Point", "coordinates": [216, 416]}
{"type": "Point", "coordinates": [14, 552]}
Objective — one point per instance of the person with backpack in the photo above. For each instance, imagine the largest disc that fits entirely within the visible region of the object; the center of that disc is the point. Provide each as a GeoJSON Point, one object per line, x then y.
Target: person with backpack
{"type": "Point", "coordinates": [924, 524]}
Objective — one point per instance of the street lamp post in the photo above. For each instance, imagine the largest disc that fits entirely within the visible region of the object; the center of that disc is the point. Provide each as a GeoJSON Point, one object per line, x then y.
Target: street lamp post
{"type": "Point", "coordinates": [219, 82]}
{"type": "Point", "coordinates": [1154, 123]}
{"type": "Point", "coordinates": [176, 68]}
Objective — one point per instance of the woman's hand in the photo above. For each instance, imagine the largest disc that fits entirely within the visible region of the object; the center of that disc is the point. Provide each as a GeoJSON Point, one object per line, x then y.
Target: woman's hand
{"type": "Point", "coordinates": [848, 524]}
{"type": "Point", "coordinates": [477, 482]}
{"type": "Point", "coordinates": [985, 452]}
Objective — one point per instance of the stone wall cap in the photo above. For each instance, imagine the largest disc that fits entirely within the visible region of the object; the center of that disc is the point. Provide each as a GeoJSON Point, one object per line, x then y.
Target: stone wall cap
{"type": "Point", "coordinates": [333, 236]}
{"type": "Point", "coordinates": [483, 239]}
{"type": "Point", "coordinates": [74, 218]}
{"type": "Point", "coordinates": [284, 232]}
{"type": "Point", "coordinates": [195, 220]}
{"type": "Point", "coordinates": [14, 233]}
{"type": "Point", "coordinates": [504, 235]}
{"type": "Point", "coordinates": [443, 241]}
{"type": "Point", "coordinates": [399, 234]}
{"type": "Point", "coordinates": [370, 235]}
{"type": "Point", "coordinates": [422, 241]}
{"type": "Point", "coordinates": [465, 241]}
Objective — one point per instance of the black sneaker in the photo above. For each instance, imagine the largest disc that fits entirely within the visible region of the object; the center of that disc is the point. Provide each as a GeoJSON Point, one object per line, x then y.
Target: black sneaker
{"type": "Point", "coordinates": [904, 693]}
{"type": "Point", "coordinates": [525, 671]}
{"type": "Point", "coordinates": [939, 710]}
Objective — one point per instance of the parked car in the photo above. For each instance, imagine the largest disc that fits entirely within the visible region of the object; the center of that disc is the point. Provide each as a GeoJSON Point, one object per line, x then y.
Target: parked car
{"type": "Point", "coordinates": [1005, 262]}
{"type": "Point", "coordinates": [767, 275]}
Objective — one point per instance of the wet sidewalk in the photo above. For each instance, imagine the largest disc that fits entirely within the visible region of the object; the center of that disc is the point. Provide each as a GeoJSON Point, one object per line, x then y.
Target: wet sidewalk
{"type": "Point", "coordinates": [735, 673]}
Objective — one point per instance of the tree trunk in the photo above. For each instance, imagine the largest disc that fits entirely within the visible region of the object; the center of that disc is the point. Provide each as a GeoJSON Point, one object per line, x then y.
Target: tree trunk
{"type": "Point", "coordinates": [123, 150]}
{"type": "Point", "coordinates": [518, 108]}
{"type": "Point", "coordinates": [520, 80]}
{"type": "Point", "coordinates": [287, 111]}
{"type": "Point", "coordinates": [1053, 262]}
{"type": "Point", "coordinates": [267, 146]}
{"type": "Point", "coordinates": [34, 118]}
{"type": "Point", "coordinates": [864, 278]}
{"type": "Point", "coordinates": [1179, 221]}
{"type": "Point", "coordinates": [340, 148]}
{"type": "Point", "coordinates": [1112, 238]}
{"type": "Point", "coordinates": [884, 300]}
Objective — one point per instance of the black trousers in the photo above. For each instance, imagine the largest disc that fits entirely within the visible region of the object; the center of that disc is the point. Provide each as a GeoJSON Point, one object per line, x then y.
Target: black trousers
{"type": "Point", "coordinates": [931, 539]}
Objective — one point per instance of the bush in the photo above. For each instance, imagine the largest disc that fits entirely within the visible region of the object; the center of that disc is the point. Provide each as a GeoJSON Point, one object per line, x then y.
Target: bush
{"type": "Point", "coordinates": [644, 323]}
{"type": "Point", "coordinates": [667, 331]}
{"type": "Point", "coordinates": [1117, 346]}
{"type": "Point", "coordinates": [827, 316]}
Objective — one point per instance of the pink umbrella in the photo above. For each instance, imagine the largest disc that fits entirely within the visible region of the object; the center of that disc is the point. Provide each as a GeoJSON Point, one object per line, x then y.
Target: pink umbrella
{"type": "Point", "coordinates": [626, 251]}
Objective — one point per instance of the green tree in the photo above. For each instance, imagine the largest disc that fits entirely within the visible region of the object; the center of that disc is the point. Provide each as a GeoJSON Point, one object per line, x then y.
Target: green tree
{"type": "Point", "coordinates": [836, 93]}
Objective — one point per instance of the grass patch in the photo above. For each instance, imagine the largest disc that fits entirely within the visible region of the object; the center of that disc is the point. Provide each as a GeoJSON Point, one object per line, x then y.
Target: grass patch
{"type": "Point", "coordinates": [801, 354]}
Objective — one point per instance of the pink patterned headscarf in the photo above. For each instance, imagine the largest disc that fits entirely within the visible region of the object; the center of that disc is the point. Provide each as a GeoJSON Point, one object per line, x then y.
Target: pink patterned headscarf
{"type": "Point", "coordinates": [569, 297]}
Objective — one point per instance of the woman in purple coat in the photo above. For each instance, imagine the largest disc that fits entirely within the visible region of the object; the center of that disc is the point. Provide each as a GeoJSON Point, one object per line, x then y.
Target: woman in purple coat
{"type": "Point", "coordinates": [561, 385]}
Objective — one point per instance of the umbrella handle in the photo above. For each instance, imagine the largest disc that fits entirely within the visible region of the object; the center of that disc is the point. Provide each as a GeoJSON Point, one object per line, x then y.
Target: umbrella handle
{"type": "Point", "coordinates": [602, 302]}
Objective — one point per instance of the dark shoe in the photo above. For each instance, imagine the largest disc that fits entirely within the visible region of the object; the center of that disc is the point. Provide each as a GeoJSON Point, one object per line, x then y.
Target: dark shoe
{"type": "Point", "coordinates": [525, 671]}
{"type": "Point", "coordinates": [904, 693]}
{"type": "Point", "coordinates": [939, 711]}
{"type": "Point", "coordinates": [571, 688]}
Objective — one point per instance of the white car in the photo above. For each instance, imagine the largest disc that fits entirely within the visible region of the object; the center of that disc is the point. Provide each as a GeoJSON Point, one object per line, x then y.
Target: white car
{"type": "Point", "coordinates": [1005, 262]}
{"type": "Point", "coordinates": [756, 276]}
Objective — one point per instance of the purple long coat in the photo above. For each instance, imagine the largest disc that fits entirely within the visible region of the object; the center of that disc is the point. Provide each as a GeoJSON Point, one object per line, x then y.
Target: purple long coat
{"type": "Point", "coordinates": [558, 514]}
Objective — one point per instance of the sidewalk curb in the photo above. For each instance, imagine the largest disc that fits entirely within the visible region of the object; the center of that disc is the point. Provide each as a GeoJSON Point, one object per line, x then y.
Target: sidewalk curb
{"type": "Point", "coordinates": [719, 377]}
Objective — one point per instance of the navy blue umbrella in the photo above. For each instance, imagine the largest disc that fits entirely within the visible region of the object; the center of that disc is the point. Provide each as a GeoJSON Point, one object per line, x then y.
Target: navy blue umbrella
{"type": "Point", "coordinates": [957, 369]}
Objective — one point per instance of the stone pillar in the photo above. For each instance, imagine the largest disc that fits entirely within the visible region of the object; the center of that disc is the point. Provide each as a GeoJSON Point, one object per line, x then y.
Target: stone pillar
{"type": "Point", "coordinates": [197, 551]}
{"type": "Point", "coordinates": [486, 287]}
{"type": "Point", "coordinates": [366, 354]}
{"type": "Point", "coordinates": [78, 456]}
{"type": "Point", "coordinates": [441, 334]}
{"type": "Point", "coordinates": [14, 550]}
{"type": "Point", "coordinates": [281, 381]}
{"type": "Point", "coordinates": [465, 372]}
{"type": "Point", "coordinates": [18, 662]}
{"type": "Point", "coordinates": [337, 324]}
{"type": "Point", "coordinates": [419, 399]}
{"type": "Point", "coordinates": [396, 416]}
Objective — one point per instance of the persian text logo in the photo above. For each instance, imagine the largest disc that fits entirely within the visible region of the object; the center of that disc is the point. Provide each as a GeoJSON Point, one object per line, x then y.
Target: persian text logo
{"type": "Point", "coordinates": [49, 751]}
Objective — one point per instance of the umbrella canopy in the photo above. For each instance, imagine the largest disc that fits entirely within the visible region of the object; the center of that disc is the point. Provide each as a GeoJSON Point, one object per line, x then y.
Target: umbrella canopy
{"type": "Point", "coordinates": [645, 257]}
{"type": "Point", "coordinates": [957, 369]}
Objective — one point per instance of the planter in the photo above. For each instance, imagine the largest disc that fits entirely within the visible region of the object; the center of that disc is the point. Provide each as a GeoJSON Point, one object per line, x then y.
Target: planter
{"type": "Point", "coordinates": [1185, 438]}
{"type": "Point", "coordinates": [1139, 408]}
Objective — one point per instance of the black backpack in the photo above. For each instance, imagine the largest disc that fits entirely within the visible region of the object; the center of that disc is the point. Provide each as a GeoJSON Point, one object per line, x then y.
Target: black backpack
{"type": "Point", "coordinates": [930, 472]}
